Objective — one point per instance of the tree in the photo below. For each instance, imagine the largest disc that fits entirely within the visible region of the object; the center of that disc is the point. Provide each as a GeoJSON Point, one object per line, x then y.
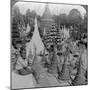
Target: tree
{"type": "Point", "coordinates": [56, 19]}
{"type": "Point", "coordinates": [84, 24]}
{"type": "Point", "coordinates": [30, 16]}
{"type": "Point", "coordinates": [16, 11]}
{"type": "Point", "coordinates": [61, 19]}
{"type": "Point", "coordinates": [75, 20]}
{"type": "Point", "coordinates": [74, 17]}
{"type": "Point", "coordinates": [18, 27]}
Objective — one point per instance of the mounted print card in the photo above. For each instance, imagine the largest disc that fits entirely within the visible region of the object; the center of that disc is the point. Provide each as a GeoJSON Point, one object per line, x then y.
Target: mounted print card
{"type": "Point", "coordinates": [49, 44]}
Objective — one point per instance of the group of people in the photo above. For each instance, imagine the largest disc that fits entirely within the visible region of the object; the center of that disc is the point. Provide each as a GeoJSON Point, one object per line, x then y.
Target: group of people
{"type": "Point", "coordinates": [70, 64]}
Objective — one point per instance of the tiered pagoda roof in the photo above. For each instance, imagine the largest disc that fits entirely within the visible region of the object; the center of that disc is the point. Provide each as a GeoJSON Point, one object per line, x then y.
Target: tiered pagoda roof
{"type": "Point", "coordinates": [47, 14]}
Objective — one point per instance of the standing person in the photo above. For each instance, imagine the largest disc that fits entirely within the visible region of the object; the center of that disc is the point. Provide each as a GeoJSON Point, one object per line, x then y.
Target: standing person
{"type": "Point", "coordinates": [21, 62]}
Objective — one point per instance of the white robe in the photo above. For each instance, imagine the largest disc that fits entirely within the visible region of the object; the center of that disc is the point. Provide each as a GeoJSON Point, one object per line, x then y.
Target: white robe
{"type": "Point", "coordinates": [21, 63]}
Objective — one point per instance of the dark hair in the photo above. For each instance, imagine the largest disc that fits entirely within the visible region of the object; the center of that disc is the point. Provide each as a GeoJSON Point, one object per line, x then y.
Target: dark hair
{"type": "Point", "coordinates": [23, 49]}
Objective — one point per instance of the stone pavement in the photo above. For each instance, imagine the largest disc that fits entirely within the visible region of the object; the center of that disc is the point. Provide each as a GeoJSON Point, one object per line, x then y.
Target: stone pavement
{"type": "Point", "coordinates": [19, 81]}
{"type": "Point", "coordinates": [29, 81]}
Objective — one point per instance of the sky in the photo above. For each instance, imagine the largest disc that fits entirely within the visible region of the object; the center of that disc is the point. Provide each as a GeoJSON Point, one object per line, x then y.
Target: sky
{"type": "Point", "coordinates": [54, 8]}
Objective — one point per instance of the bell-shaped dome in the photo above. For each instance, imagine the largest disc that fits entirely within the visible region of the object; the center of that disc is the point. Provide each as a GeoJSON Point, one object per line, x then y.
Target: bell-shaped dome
{"type": "Point", "coordinates": [47, 14]}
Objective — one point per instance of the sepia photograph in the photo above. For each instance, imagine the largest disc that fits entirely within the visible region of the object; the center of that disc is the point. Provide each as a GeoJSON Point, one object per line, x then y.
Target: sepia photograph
{"type": "Point", "coordinates": [49, 44]}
